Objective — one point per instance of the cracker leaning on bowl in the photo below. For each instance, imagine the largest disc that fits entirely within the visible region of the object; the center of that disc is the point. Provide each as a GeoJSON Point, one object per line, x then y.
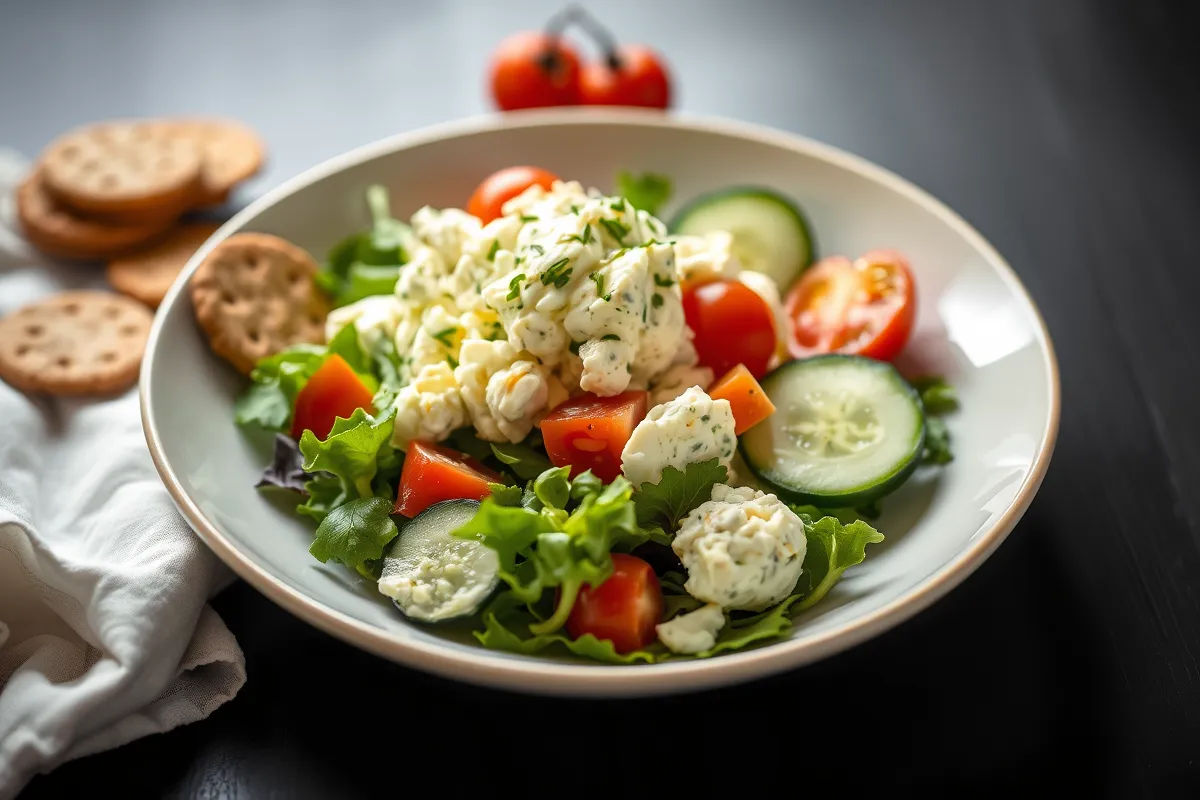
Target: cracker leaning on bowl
{"type": "Point", "coordinates": [254, 295]}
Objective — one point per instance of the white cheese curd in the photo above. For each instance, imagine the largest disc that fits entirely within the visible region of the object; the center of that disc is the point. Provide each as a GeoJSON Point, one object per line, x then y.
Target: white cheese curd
{"type": "Point", "coordinates": [437, 340]}
{"type": "Point", "coordinates": [583, 281]}
{"type": "Point", "coordinates": [445, 230]}
{"type": "Point", "coordinates": [435, 590]}
{"type": "Point", "coordinates": [502, 393]}
{"type": "Point", "coordinates": [693, 632]}
{"type": "Point", "coordinates": [484, 258]}
{"type": "Point", "coordinates": [691, 428]}
{"type": "Point", "coordinates": [374, 319]}
{"type": "Point", "coordinates": [677, 380]}
{"type": "Point", "coordinates": [429, 407]}
{"type": "Point", "coordinates": [707, 256]}
{"type": "Point", "coordinates": [743, 549]}
{"type": "Point", "coordinates": [515, 395]}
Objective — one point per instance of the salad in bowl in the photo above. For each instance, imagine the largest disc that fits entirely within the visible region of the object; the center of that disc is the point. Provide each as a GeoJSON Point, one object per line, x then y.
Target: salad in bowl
{"type": "Point", "coordinates": [572, 425]}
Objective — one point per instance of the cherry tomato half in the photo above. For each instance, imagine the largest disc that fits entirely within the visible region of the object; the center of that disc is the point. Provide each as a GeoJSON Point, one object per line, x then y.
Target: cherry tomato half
{"type": "Point", "coordinates": [733, 325]}
{"type": "Point", "coordinates": [503, 185]}
{"type": "Point", "coordinates": [624, 609]}
{"type": "Point", "coordinates": [532, 69]}
{"type": "Point", "coordinates": [632, 76]}
{"type": "Point", "coordinates": [589, 432]}
{"type": "Point", "coordinates": [865, 307]}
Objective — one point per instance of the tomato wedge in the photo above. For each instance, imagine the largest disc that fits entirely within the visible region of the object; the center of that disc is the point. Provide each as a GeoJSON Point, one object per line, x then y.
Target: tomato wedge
{"type": "Point", "coordinates": [747, 400]}
{"type": "Point", "coordinates": [589, 432]}
{"type": "Point", "coordinates": [624, 609]}
{"type": "Point", "coordinates": [334, 390]}
{"type": "Point", "coordinates": [733, 325]}
{"type": "Point", "coordinates": [433, 473]}
{"type": "Point", "coordinates": [866, 307]}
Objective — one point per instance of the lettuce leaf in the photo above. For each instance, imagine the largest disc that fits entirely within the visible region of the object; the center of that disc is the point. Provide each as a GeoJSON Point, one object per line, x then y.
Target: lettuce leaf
{"type": "Point", "coordinates": [286, 470]}
{"type": "Point", "coordinates": [937, 443]}
{"type": "Point", "coordinates": [353, 452]}
{"type": "Point", "coordinates": [937, 396]}
{"type": "Point", "coordinates": [522, 460]}
{"type": "Point", "coordinates": [355, 533]}
{"type": "Point", "coordinates": [363, 264]}
{"type": "Point", "coordinates": [647, 191]}
{"type": "Point", "coordinates": [677, 493]}
{"type": "Point", "coordinates": [831, 549]}
{"type": "Point", "coordinates": [508, 613]}
{"type": "Point", "coordinates": [277, 379]}
{"type": "Point", "coordinates": [325, 493]}
{"type": "Point", "coordinates": [542, 545]}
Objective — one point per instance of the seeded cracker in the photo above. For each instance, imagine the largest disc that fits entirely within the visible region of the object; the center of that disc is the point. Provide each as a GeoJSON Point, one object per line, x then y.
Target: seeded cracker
{"type": "Point", "coordinates": [254, 296]}
{"type": "Point", "coordinates": [74, 343]}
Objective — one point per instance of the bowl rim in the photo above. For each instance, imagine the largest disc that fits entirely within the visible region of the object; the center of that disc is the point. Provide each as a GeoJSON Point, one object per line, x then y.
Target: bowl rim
{"type": "Point", "coordinates": [550, 677]}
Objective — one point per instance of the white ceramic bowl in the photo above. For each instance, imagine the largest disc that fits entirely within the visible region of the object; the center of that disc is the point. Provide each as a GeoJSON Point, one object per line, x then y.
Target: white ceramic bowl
{"type": "Point", "coordinates": [976, 325]}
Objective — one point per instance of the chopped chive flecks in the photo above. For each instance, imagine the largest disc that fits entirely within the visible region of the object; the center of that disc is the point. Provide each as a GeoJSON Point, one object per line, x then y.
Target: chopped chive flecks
{"type": "Point", "coordinates": [514, 287]}
{"type": "Point", "coordinates": [558, 273]}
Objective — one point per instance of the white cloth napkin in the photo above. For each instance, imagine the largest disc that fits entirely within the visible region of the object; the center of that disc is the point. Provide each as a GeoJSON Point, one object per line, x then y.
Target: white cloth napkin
{"type": "Point", "coordinates": [105, 631]}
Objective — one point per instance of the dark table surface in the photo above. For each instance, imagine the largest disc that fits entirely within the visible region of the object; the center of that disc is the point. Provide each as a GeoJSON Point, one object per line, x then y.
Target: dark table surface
{"type": "Point", "coordinates": [1065, 130]}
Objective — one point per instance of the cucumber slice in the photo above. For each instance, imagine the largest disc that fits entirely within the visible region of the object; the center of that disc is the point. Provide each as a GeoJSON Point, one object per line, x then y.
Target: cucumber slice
{"type": "Point", "coordinates": [770, 233]}
{"type": "Point", "coordinates": [846, 431]}
{"type": "Point", "coordinates": [432, 576]}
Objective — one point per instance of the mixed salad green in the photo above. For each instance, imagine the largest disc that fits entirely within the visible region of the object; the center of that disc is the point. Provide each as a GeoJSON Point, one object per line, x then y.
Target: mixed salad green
{"type": "Point", "coordinates": [585, 429]}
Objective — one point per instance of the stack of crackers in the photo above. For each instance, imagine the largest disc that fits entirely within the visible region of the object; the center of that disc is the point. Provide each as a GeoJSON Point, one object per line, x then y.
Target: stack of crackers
{"type": "Point", "coordinates": [116, 192]}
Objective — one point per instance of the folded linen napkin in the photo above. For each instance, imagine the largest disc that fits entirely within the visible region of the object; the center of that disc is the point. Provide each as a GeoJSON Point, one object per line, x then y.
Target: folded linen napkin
{"type": "Point", "coordinates": [105, 630]}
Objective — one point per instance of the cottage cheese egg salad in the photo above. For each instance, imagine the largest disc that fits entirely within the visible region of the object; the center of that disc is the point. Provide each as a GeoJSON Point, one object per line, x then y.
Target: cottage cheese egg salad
{"type": "Point", "coordinates": [571, 425]}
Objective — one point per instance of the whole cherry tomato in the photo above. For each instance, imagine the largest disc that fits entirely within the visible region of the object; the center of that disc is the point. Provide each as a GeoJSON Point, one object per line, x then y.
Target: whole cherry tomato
{"type": "Point", "coordinates": [487, 202]}
{"type": "Point", "coordinates": [732, 324]}
{"type": "Point", "coordinates": [632, 75]}
{"type": "Point", "coordinates": [532, 69]}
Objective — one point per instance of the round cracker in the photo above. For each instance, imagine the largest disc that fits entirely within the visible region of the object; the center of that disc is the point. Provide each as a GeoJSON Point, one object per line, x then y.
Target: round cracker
{"type": "Point", "coordinates": [74, 343]}
{"type": "Point", "coordinates": [232, 153]}
{"type": "Point", "coordinates": [146, 275]}
{"type": "Point", "coordinates": [119, 167]}
{"type": "Point", "coordinates": [57, 231]}
{"type": "Point", "coordinates": [254, 295]}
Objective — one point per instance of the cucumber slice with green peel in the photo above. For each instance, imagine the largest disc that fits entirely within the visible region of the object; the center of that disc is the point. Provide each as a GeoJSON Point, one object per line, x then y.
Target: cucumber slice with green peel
{"type": "Point", "coordinates": [770, 233]}
{"type": "Point", "coordinates": [433, 576]}
{"type": "Point", "coordinates": [846, 431]}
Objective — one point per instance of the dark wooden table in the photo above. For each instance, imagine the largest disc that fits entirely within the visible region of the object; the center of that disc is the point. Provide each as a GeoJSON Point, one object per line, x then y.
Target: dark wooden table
{"type": "Point", "coordinates": [1066, 130]}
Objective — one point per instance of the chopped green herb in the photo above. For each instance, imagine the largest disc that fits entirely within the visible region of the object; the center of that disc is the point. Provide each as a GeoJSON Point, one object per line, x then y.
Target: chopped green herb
{"type": "Point", "coordinates": [514, 287]}
{"type": "Point", "coordinates": [657, 300]}
{"type": "Point", "coordinates": [452, 361]}
{"type": "Point", "coordinates": [445, 336]}
{"type": "Point", "coordinates": [615, 229]}
{"type": "Point", "coordinates": [587, 234]}
{"type": "Point", "coordinates": [618, 204]}
{"type": "Point", "coordinates": [574, 209]}
{"type": "Point", "coordinates": [558, 273]}
{"type": "Point", "coordinates": [661, 280]}
{"type": "Point", "coordinates": [598, 279]}
{"type": "Point", "coordinates": [491, 256]}
{"type": "Point", "coordinates": [537, 248]}
{"type": "Point", "coordinates": [528, 218]}
{"type": "Point", "coordinates": [610, 337]}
